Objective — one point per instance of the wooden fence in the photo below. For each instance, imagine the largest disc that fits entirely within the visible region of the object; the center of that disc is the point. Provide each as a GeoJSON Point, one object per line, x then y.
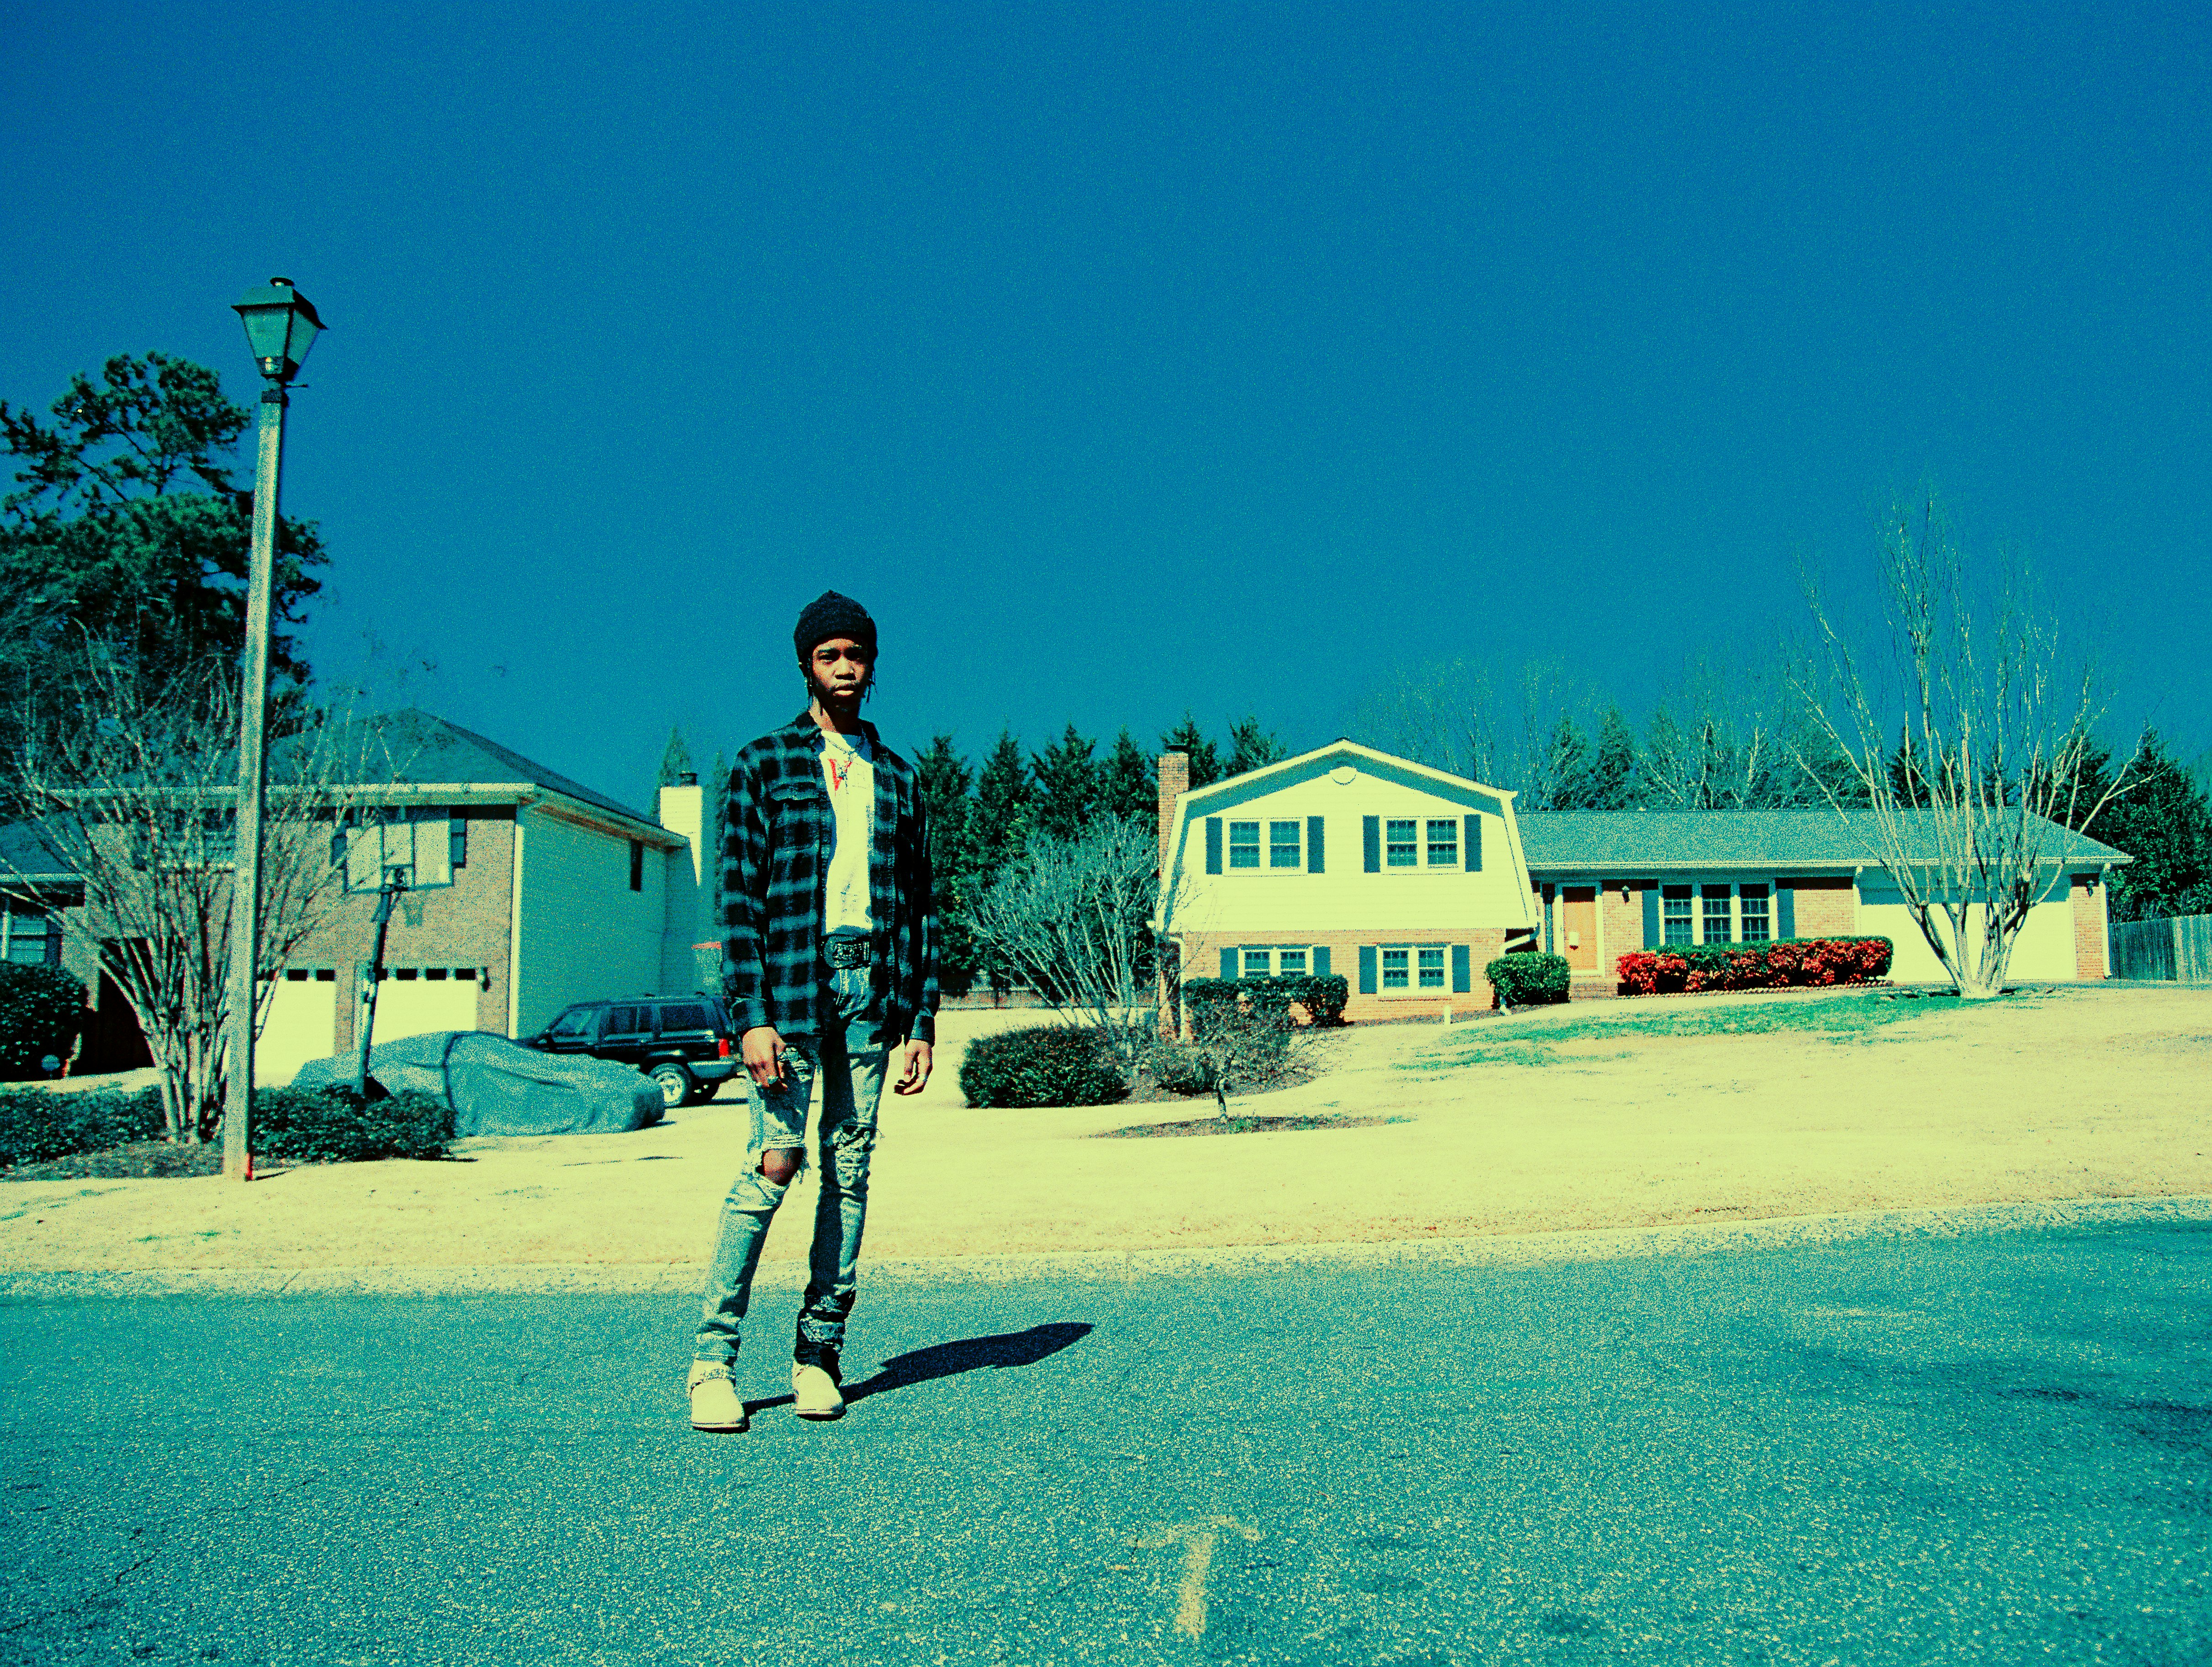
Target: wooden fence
{"type": "Point", "coordinates": [2180, 949]}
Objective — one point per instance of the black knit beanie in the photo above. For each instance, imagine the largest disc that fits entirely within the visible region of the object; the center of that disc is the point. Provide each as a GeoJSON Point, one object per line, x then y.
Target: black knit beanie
{"type": "Point", "coordinates": [831, 615]}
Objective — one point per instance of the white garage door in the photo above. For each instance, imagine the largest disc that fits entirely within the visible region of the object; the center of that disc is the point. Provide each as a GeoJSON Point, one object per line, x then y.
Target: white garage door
{"type": "Point", "coordinates": [301, 1025]}
{"type": "Point", "coordinates": [412, 1006]}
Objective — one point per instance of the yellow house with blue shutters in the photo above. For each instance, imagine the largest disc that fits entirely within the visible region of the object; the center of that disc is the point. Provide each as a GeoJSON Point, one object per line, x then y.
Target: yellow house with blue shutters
{"type": "Point", "coordinates": [1405, 880]}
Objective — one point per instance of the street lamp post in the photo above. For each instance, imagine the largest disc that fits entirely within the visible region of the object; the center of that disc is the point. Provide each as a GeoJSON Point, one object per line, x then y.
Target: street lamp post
{"type": "Point", "coordinates": [280, 326]}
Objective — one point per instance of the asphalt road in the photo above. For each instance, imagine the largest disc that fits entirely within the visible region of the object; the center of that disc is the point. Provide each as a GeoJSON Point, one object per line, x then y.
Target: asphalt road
{"type": "Point", "coordinates": [1996, 1449]}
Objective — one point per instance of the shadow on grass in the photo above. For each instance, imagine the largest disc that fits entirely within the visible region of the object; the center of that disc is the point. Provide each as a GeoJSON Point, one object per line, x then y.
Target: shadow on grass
{"type": "Point", "coordinates": [923, 1365]}
{"type": "Point", "coordinates": [1165, 1131]}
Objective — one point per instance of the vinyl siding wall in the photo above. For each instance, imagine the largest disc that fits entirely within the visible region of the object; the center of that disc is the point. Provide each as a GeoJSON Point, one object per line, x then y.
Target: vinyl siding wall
{"type": "Point", "coordinates": [584, 933]}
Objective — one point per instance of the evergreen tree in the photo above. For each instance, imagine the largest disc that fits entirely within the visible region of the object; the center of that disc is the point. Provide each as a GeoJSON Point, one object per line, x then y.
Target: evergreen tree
{"type": "Point", "coordinates": [1205, 762]}
{"type": "Point", "coordinates": [945, 783]}
{"type": "Point", "coordinates": [1613, 777]}
{"type": "Point", "coordinates": [1003, 812]}
{"type": "Point", "coordinates": [1066, 781]}
{"type": "Point", "coordinates": [675, 758]}
{"type": "Point", "coordinates": [2163, 819]}
{"type": "Point", "coordinates": [1250, 747]}
{"type": "Point", "coordinates": [1128, 782]}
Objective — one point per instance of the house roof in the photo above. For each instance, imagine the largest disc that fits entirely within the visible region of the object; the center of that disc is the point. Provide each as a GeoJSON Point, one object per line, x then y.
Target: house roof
{"type": "Point", "coordinates": [25, 849]}
{"type": "Point", "coordinates": [1617, 840]}
{"type": "Point", "coordinates": [418, 747]}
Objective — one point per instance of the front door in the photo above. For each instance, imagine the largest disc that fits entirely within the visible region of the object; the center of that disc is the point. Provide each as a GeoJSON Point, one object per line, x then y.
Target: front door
{"type": "Point", "coordinates": [1578, 927]}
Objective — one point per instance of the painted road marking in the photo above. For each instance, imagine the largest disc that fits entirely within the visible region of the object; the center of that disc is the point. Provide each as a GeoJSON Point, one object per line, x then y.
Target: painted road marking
{"type": "Point", "coordinates": [1198, 1538]}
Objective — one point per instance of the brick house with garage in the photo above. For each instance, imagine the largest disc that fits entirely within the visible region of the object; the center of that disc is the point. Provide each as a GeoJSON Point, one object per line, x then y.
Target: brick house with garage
{"type": "Point", "coordinates": [536, 891]}
{"type": "Point", "coordinates": [1608, 882]}
{"type": "Point", "coordinates": [1407, 880]}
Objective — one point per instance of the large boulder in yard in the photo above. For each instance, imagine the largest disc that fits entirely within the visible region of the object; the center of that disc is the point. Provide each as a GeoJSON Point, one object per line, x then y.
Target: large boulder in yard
{"type": "Point", "coordinates": [496, 1087]}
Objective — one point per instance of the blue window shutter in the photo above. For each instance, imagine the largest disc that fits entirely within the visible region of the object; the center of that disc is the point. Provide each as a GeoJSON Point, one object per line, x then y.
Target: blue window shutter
{"type": "Point", "coordinates": [1462, 966]}
{"type": "Point", "coordinates": [1370, 835]}
{"type": "Point", "coordinates": [1212, 844]}
{"type": "Point", "coordinates": [54, 939]}
{"type": "Point", "coordinates": [1474, 844]}
{"type": "Point", "coordinates": [1785, 911]}
{"type": "Point", "coordinates": [1312, 845]}
{"type": "Point", "coordinates": [1367, 964]}
{"type": "Point", "coordinates": [1651, 917]}
{"type": "Point", "coordinates": [1321, 960]}
{"type": "Point", "coordinates": [1228, 965]}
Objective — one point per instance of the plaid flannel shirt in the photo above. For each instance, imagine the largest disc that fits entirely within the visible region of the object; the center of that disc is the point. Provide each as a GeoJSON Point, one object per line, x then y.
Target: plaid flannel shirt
{"type": "Point", "coordinates": [778, 829]}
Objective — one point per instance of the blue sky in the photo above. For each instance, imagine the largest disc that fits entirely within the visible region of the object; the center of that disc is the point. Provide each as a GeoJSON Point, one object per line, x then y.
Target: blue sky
{"type": "Point", "coordinates": [1126, 359]}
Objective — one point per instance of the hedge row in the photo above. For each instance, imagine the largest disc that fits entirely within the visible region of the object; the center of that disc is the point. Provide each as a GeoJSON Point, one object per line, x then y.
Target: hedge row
{"type": "Point", "coordinates": [1321, 994]}
{"type": "Point", "coordinates": [1042, 1064]}
{"type": "Point", "coordinates": [41, 1011]}
{"type": "Point", "coordinates": [302, 1125]}
{"type": "Point", "coordinates": [36, 1125]}
{"type": "Point", "coordinates": [333, 1126]}
{"type": "Point", "coordinates": [1792, 962]}
{"type": "Point", "coordinates": [1525, 979]}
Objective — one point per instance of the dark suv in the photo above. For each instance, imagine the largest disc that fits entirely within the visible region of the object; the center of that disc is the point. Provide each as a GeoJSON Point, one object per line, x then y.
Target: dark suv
{"type": "Point", "coordinates": [684, 1043]}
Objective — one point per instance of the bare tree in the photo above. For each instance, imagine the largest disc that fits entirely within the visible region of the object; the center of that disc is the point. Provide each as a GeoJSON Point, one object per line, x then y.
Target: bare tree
{"type": "Point", "coordinates": [1073, 916]}
{"type": "Point", "coordinates": [137, 796]}
{"type": "Point", "coordinates": [1971, 812]}
{"type": "Point", "coordinates": [1244, 1042]}
{"type": "Point", "coordinates": [1501, 727]}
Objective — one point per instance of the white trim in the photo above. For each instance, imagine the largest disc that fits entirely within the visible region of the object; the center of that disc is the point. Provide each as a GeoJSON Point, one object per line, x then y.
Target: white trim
{"type": "Point", "coordinates": [514, 933]}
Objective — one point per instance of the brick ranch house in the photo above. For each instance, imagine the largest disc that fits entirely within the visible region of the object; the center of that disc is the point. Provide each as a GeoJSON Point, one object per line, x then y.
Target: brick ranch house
{"type": "Point", "coordinates": [1407, 880]}
{"type": "Point", "coordinates": [540, 891]}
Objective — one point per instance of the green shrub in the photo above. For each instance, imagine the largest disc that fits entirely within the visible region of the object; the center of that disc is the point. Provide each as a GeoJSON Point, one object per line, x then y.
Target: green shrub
{"type": "Point", "coordinates": [1043, 1065]}
{"type": "Point", "coordinates": [333, 1126]}
{"type": "Point", "coordinates": [1321, 994]}
{"type": "Point", "coordinates": [37, 1124]}
{"type": "Point", "coordinates": [1526, 980]}
{"type": "Point", "coordinates": [1178, 1069]}
{"type": "Point", "coordinates": [41, 1011]}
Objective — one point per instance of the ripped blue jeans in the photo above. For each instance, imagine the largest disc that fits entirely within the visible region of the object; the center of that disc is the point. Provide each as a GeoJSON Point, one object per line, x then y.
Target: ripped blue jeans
{"type": "Point", "coordinates": [849, 1061]}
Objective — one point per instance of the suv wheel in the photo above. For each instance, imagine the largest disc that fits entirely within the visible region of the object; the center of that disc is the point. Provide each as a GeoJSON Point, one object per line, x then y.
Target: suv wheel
{"type": "Point", "coordinates": [676, 1084]}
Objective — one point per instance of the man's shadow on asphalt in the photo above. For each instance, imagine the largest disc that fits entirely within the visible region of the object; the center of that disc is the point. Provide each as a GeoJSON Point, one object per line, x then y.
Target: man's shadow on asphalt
{"type": "Point", "coordinates": [1011, 1348]}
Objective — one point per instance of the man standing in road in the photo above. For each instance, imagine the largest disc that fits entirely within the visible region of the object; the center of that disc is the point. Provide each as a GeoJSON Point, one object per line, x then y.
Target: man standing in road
{"type": "Point", "coordinates": [829, 964]}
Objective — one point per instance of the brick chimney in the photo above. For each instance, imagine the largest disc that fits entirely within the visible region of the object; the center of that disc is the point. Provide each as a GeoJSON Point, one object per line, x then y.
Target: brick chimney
{"type": "Point", "coordinates": [1174, 781]}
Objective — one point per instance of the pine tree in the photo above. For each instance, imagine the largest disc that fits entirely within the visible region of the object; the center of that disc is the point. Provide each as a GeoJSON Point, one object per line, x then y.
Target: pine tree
{"type": "Point", "coordinates": [1128, 782]}
{"type": "Point", "coordinates": [945, 784]}
{"type": "Point", "coordinates": [1003, 813]}
{"type": "Point", "coordinates": [1205, 762]}
{"type": "Point", "coordinates": [675, 758]}
{"type": "Point", "coordinates": [1066, 786]}
{"type": "Point", "coordinates": [2162, 819]}
{"type": "Point", "coordinates": [1250, 747]}
{"type": "Point", "coordinates": [1613, 777]}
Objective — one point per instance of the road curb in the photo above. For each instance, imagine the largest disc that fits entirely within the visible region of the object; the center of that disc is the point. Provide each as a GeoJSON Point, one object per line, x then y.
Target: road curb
{"type": "Point", "coordinates": [1485, 1251]}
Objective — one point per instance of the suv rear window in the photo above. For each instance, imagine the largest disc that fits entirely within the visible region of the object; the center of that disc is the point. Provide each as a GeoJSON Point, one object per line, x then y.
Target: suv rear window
{"type": "Point", "coordinates": [685, 1016]}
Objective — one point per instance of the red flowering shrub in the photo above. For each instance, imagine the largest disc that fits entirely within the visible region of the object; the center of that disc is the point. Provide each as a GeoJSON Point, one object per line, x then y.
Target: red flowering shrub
{"type": "Point", "coordinates": [1795, 962]}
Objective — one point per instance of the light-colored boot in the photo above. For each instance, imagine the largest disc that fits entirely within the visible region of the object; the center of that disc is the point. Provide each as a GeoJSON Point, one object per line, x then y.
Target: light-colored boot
{"type": "Point", "coordinates": [815, 1394]}
{"type": "Point", "coordinates": [714, 1402]}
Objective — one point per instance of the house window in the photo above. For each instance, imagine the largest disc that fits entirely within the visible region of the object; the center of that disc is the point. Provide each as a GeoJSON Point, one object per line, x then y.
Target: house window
{"type": "Point", "coordinates": [1677, 927]}
{"type": "Point", "coordinates": [1432, 967]}
{"type": "Point", "coordinates": [1256, 963]}
{"type": "Point", "coordinates": [1243, 844]}
{"type": "Point", "coordinates": [1443, 842]}
{"type": "Point", "coordinates": [1403, 846]}
{"type": "Point", "coordinates": [1293, 963]}
{"type": "Point", "coordinates": [1752, 902]}
{"type": "Point", "coordinates": [1394, 972]}
{"type": "Point", "coordinates": [1283, 845]}
{"type": "Point", "coordinates": [1717, 914]}
{"type": "Point", "coordinates": [24, 928]}
{"type": "Point", "coordinates": [637, 865]}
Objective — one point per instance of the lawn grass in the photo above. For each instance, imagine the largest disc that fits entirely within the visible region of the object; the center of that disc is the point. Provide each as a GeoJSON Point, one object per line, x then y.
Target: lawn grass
{"type": "Point", "coordinates": [1544, 1042]}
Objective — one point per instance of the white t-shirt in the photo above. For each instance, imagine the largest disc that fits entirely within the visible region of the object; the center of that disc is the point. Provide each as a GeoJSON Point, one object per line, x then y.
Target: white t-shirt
{"type": "Point", "coordinates": [848, 771]}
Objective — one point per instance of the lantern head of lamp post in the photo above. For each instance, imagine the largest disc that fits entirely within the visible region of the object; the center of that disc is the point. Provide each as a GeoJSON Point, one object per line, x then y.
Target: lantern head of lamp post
{"type": "Point", "coordinates": [281, 326]}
